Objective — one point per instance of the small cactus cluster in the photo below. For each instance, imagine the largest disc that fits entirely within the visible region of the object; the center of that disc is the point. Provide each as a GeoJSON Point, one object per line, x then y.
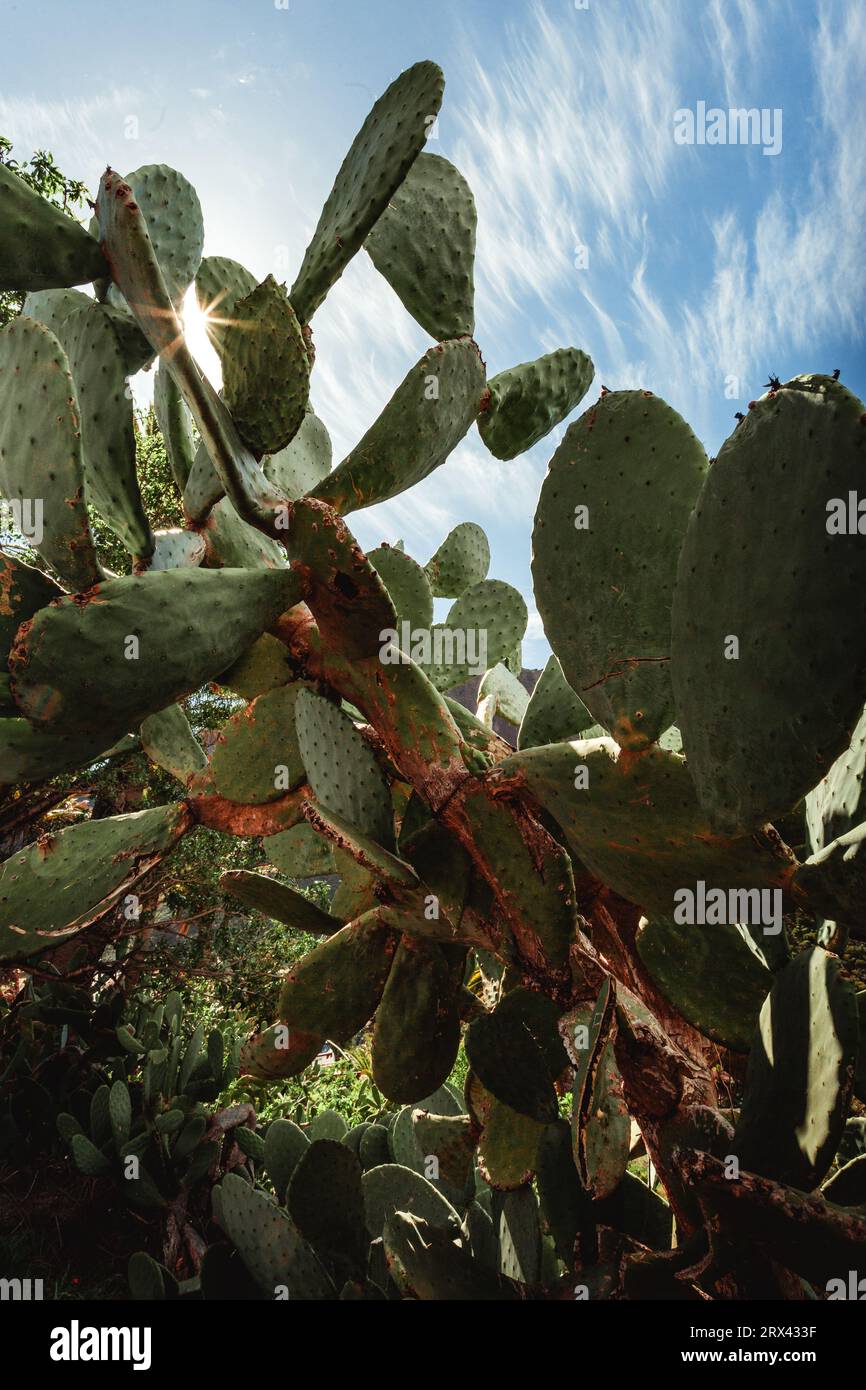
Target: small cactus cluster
{"type": "Point", "coordinates": [696, 738]}
{"type": "Point", "coordinates": [149, 1128]}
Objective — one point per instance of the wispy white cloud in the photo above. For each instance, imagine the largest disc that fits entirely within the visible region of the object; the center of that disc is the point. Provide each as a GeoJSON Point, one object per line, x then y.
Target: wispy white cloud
{"type": "Point", "coordinates": [564, 135]}
{"type": "Point", "coordinates": [78, 131]}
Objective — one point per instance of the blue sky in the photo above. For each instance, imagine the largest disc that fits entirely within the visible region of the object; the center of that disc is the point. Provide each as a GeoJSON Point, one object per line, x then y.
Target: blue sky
{"type": "Point", "coordinates": [689, 270]}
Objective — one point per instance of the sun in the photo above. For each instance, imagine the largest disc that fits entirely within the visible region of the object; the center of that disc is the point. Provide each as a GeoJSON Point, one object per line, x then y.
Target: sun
{"type": "Point", "coordinates": [195, 331]}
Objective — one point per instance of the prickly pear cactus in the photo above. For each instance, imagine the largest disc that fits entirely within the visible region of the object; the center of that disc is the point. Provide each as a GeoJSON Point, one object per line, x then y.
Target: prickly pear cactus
{"type": "Point", "coordinates": [593, 904]}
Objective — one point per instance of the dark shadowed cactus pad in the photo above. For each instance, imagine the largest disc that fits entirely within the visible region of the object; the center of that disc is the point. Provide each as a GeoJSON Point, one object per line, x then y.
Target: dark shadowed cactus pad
{"type": "Point", "coordinates": [610, 521]}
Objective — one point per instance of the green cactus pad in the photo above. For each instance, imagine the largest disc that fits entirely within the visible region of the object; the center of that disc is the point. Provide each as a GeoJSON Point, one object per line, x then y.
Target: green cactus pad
{"type": "Point", "coordinates": [425, 1264]}
{"type": "Point", "coordinates": [98, 369]}
{"type": "Point", "coordinates": [832, 882]}
{"type": "Point", "coordinates": [417, 1030]}
{"type": "Point", "coordinates": [368, 854]}
{"type": "Point", "coordinates": [261, 668]}
{"type": "Point", "coordinates": [266, 369]}
{"type": "Point", "coordinates": [687, 963]}
{"type": "Point", "coordinates": [168, 741]}
{"type": "Point", "coordinates": [801, 1070]}
{"type": "Point", "coordinates": [445, 868]}
{"type": "Point", "coordinates": [285, 1145]}
{"type": "Point", "coordinates": [305, 461]}
{"type": "Point", "coordinates": [342, 771]}
{"type": "Point", "coordinates": [299, 852]}
{"type": "Point", "coordinates": [256, 758]}
{"type": "Point", "coordinates": [175, 422]}
{"type": "Point", "coordinates": [508, 1146]}
{"type": "Point", "coordinates": [541, 1016]}
{"type": "Point", "coordinates": [325, 1200]}
{"type": "Point", "coordinates": [423, 422]}
{"type": "Point", "coordinates": [70, 671]}
{"type": "Point", "coordinates": [356, 893]}
{"type": "Point", "coordinates": [516, 1214]}
{"type": "Point", "coordinates": [612, 512]}
{"type": "Point", "coordinates": [148, 1281]}
{"type": "Point", "coordinates": [278, 1053]}
{"type": "Point", "coordinates": [554, 712]}
{"type": "Point", "coordinates": [279, 902]}
{"type": "Point", "coordinates": [536, 882]}
{"type": "Point", "coordinates": [461, 561]}
{"type": "Point", "coordinates": [203, 487]}
{"type": "Point", "coordinates": [53, 308]}
{"type": "Point", "coordinates": [500, 693]}
{"type": "Point", "coordinates": [838, 803]}
{"type": "Point", "coordinates": [526, 402]}
{"type": "Point", "coordinates": [336, 989]}
{"type": "Point", "coordinates": [220, 283]}
{"type": "Point", "coordinates": [327, 1124]}
{"type": "Point", "coordinates": [231, 543]}
{"type": "Point", "coordinates": [424, 245]}
{"type": "Point", "coordinates": [88, 1158]}
{"type": "Point", "coordinates": [802, 608]}
{"type": "Point", "coordinates": [637, 825]}
{"type": "Point", "coordinates": [407, 584]}
{"type": "Point", "coordinates": [451, 1140]}
{"type": "Point", "coordinates": [40, 448]}
{"type": "Point", "coordinates": [28, 755]}
{"type": "Point", "coordinates": [120, 1113]}
{"type": "Point", "coordinates": [380, 157]}
{"type": "Point", "coordinates": [174, 549]}
{"type": "Point", "coordinates": [509, 1063]}
{"type": "Point", "coordinates": [68, 878]}
{"type": "Point", "coordinates": [374, 1149]}
{"type": "Point", "coordinates": [481, 629]}
{"type": "Point", "coordinates": [275, 1254]}
{"type": "Point", "coordinates": [392, 1188]}
{"type": "Point", "coordinates": [174, 223]}
{"type": "Point", "coordinates": [40, 247]}
{"type": "Point", "coordinates": [603, 1134]}
{"type": "Point", "coordinates": [23, 591]}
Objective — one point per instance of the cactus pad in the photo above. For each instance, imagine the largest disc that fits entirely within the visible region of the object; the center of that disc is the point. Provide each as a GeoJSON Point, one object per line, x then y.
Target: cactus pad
{"type": "Point", "coordinates": [40, 448]}
{"type": "Point", "coordinates": [220, 283]}
{"type": "Point", "coordinates": [554, 712]}
{"type": "Point", "coordinates": [526, 402]}
{"type": "Point", "coordinates": [423, 422]}
{"type": "Point", "coordinates": [276, 900]}
{"type": "Point", "coordinates": [687, 963]}
{"type": "Point", "coordinates": [75, 668]}
{"type": "Point", "coordinates": [417, 1030]}
{"type": "Point", "coordinates": [424, 245]}
{"type": "Point", "coordinates": [335, 990]}
{"type": "Point", "coordinates": [69, 878]}
{"type": "Point", "coordinates": [40, 247]}
{"type": "Point", "coordinates": [800, 1075]}
{"type": "Point", "coordinates": [462, 560]}
{"type": "Point", "coordinates": [407, 584]}
{"type": "Point", "coordinates": [613, 510]}
{"type": "Point", "coordinates": [256, 758]}
{"type": "Point", "coordinates": [266, 369]}
{"type": "Point", "coordinates": [637, 826]}
{"type": "Point", "coordinates": [343, 773]}
{"type": "Point", "coordinates": [380, 156]}
{"type": "Point", "coordinates": [756, 741]}
{"type": "Point", "coordinates": [304, 462]}
{"type": "Point", "coordinates": [174, 223]}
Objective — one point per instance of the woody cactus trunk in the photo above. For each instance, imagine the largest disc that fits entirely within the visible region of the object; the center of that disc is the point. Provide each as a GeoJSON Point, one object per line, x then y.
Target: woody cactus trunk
{"type": "Point", "coordinates": [619, 872]}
